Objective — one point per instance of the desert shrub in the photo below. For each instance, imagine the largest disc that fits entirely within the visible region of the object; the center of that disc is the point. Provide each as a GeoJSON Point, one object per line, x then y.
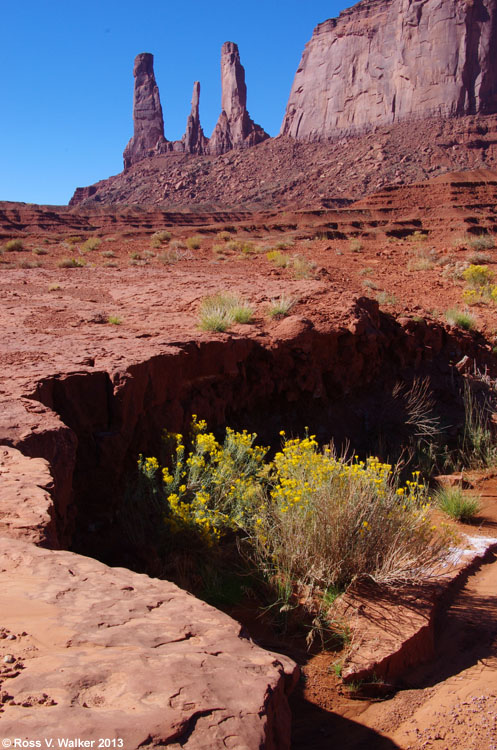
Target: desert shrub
{"type": "Point", "coordinates": [224, 236]}
{"type": "Point", "coordinates": [386, 298]}
{"type": "Point", "coordinates": [194, 242]}
{"type": "Point", "coordinates": [478, 447]}
{"type": "Point", "coordinates": [71, 263]}
{"type": "Point", "coordinates": [135, 256]}
{"type": "Point", "coordinates": [92, 243]}
{"type": "Point", "coordinates": [278, 259]}
{"type": "Point", "coordinates": [54, 287]}
{"type": "Point", "coordinates": [301, 267]}
{"type": "Point", "coordinates": [460, 319]}
{"type": "Point", "coordinates": [483, 242]}
{"type": "Point", "coordinates": [307, 518]}
{"type": "Point", "coordinates": [108, 254]}
{"type": "Point", "coordinates": [478, 258]}
{"type": "Point", "coordinates": [73, 239]}
{"type": "Point", "coordinates": [13, 246]}
{"type": "Point", "coordinates": [356, 246]}
{"type": "Point", "coordinates": [369, 284]}
{"type": "Point", "coordinates": [452, 501]}
{"type": "Point", "coordinates": [174, 254]}
{"type": "Point", "coordinates": [219, 311]}
{"type": "Point", "coordinates": [40, 251]}
{"type": "Point", "coordinates": [424, 260]}
{"type": "Point", "coordinates": [114, 320]}
{"type": "Point", "coordinates": [30, 264]}
{"type": "Point", "coordinates": [159, 238]}
{"type": "Point", "coordinates": [477, 277]}
{"type": "Point", "coordinates": [281, 306]}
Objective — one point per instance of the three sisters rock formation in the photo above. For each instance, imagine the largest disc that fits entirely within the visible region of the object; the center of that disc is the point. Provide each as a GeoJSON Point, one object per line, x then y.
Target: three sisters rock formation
{"type": "Point", "coordinates": [234, 129]}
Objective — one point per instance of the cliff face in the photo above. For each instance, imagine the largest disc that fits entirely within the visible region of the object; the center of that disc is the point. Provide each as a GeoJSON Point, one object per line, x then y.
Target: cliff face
{"type": "Point", "coordinates": [388, 60]}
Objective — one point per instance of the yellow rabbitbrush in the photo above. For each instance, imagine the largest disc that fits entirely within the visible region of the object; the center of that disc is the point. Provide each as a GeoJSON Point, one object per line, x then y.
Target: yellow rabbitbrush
{"type": "Point", "coordinates": [308, 516]}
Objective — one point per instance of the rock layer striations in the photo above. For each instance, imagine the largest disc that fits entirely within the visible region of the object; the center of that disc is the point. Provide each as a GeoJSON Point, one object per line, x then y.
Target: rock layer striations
{"type": "Point", "coordinates": [388, 60]}
{"type": "Point", "coordinates": [235, 128]}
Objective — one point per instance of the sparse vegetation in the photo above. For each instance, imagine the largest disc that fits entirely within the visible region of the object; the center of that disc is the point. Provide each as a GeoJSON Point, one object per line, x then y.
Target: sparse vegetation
{"type": "Point", "coordinates": [356, 246]}
{"type": "Point", "coordinates": [160, 238]}
{"type": "Point", "coordinates": [108, 254]}
{"type": "Point", "coordinates": [194, 243]}
{"type": "Point", "coordinates": [483, 242]}
{"type": "Point", "coordinates": [220, 311]}
{"type": "Point", "coordinates": [281, 306]}
{"type": "Point", "coordinates": [40, 251]}
{"type": "Point", "coordinates": [114, 320]}
{"type": "Point", "coordinates": [92, 243]}
{"type": "Point", "coordinates": [224, 236]}
{"type": "Point", "coordinates": [385, 298]}
{"type": "Point", "coordinates": [13, 246]}
{"type": "Point", "coordinates": [369, 284]}
{"type": "Point", "coordinates": [455, 503]}
{"type": "Point", "coordinates": [30, 264]}
{"type": "Point", "coordinates": [460, 319]}
{"type": "Point", "coordinates": [54, 287]}
{"type": "Point", "coordinates": [71, 263]}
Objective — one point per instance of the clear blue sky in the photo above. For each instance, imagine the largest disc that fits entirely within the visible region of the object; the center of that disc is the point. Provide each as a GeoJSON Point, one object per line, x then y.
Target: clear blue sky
{"type": "Point", "coordinates": [67, 82]}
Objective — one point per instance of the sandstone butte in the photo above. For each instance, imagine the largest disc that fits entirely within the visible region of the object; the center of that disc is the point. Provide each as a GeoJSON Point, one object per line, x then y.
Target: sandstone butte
{"type": "Point", "coordinates": [363, 78]}
{"type": "Point", "coordinates": [387, 60]}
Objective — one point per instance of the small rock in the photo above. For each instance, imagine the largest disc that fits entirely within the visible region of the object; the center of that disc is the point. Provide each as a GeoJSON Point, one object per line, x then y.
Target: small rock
{"type": "Point", "coordinates": [9, 659]}
{"type": "Point", "coordinates": [11, 637]}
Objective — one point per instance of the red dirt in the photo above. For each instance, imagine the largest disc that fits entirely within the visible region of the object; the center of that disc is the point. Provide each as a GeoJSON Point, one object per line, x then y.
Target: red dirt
{"type": "Point", "coordinates": [55, 322]}
{"type": "Point", "coordinates": [448, 704]}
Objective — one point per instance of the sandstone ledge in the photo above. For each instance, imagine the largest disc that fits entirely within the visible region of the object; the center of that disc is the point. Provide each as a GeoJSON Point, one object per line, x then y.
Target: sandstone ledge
{"type": "Point", "coordinates": [104, 652]}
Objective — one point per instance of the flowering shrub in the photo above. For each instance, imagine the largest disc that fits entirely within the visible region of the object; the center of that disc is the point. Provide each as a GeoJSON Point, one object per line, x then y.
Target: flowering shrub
{"type": "Point", "coordinates": [308, 517]}
{"type": "Point", "coordinates": [479, 282]}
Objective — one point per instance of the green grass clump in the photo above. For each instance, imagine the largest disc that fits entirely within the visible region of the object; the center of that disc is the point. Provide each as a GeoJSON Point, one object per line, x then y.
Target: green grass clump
{"type": "Point", "coordinates": [13, 246]}
{"type": "Point", "coordinates": [160, 238]}
{"type": "Point", "coordinates": [457, 505]}
{"type": "Point", "coordinates": [71, 263]}
{"type": "Point", "coordinates": [114, 320]}
{"type": "Point", "coordinates": [460, 319]}
{"type": "Point", "coordinates": [92, 243]}
{"type": "Point", "coordinates": [40, 251]}
{"type": "Point", "coordinates": [194, 243]}
{"type": "Point", "coordinates": [220, 311]}
{"type": "Point", "coordinates": [281, 306]}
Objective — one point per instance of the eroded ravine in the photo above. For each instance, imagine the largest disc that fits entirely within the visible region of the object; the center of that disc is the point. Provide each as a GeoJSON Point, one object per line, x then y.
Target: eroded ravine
{"type": "Point", "coordinates": [447, 704]}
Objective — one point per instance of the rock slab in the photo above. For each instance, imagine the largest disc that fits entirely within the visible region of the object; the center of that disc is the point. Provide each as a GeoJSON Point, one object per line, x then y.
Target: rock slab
{"type": "Point", "coordinates": [388, 60]}
{"type": "Point", "coordinates": [103, 652]}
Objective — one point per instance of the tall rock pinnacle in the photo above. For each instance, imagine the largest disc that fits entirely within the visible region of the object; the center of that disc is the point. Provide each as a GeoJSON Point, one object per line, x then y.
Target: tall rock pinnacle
{"type": "Point", "coordinates": [388, 60]}
{"type": "Point", "coordinates": [234, 129]}
{"type": "Point", "coordinates": [148, 138]}
{"type": "Point", "coordinates": [194, 140]}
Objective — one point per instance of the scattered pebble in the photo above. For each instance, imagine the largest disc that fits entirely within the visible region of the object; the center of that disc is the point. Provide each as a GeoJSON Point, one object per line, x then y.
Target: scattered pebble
{"type": "Point", "coordinates": [9, 659]}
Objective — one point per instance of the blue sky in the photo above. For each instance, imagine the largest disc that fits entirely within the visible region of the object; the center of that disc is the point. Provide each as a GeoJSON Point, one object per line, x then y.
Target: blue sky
{"type": "Point", "coordinates": [67, 82]}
